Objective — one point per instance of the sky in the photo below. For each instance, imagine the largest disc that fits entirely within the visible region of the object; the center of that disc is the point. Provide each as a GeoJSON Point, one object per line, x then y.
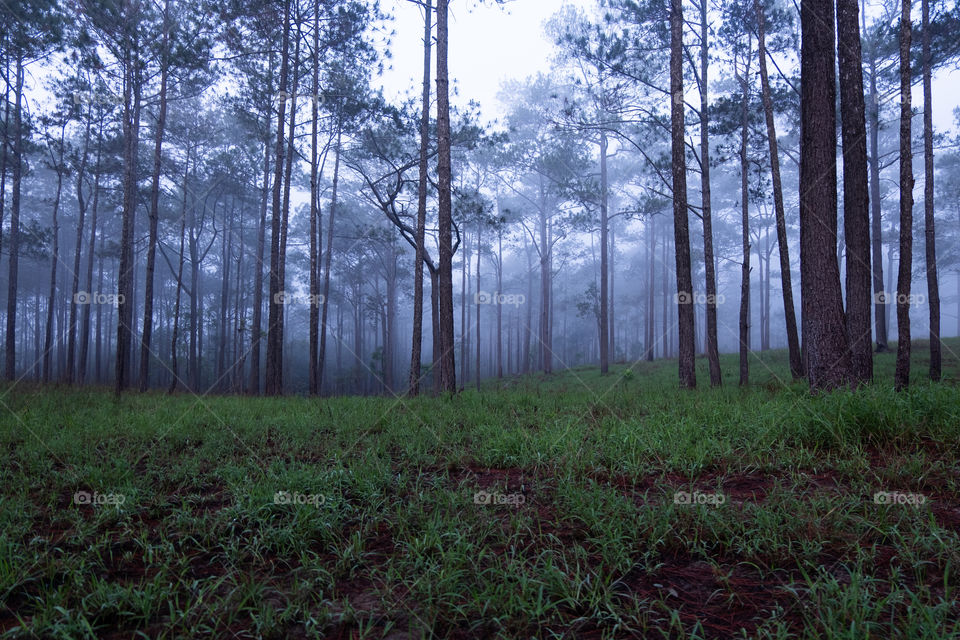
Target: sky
{"type": "Point", "coordinates": [490, 44]}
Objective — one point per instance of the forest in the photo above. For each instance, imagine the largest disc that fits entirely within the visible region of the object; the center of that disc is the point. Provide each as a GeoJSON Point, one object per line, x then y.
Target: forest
{"type": "Point", "coordinates": [499, 318]}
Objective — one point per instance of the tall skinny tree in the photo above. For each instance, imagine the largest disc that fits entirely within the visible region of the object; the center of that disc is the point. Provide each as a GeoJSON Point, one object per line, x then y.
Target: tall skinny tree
{"type": "Point", "coordinates": [929, 230]}
{"type": "Point", "coordinates": [713, 351]}
{"type": "Point", "coordinates": [681, 230]}
{"type": "Point", "coordinates": [448, 381]}
{"type": "Point", "coordinates": [417, 341]}
{"type": "Point", "coordinates": [786, 280]}
{"type": "Point", "coordinates": [902, 373]}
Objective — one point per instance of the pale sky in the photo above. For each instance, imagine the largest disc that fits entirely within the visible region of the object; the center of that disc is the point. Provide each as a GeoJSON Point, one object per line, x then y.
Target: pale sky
{"type": "Point", "coordinates": [490, 44]}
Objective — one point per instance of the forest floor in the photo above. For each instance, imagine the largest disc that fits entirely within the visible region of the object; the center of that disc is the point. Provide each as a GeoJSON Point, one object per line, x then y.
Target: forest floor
{"type": "Point", "coordinates": [568, 506]}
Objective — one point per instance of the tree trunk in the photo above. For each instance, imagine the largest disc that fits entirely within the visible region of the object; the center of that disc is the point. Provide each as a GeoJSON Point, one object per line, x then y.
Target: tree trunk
{"type": "Point", "coordinates": [681, 231]}
{"type": "Point", "coordinates": [131, 134]}
{"type": "Point", "coordinates": [604, 258]}
{"type": "Point", "coordinates": [824, 325]}
{"type": "Point", "coordinates": [328, 258]}
{"type": "Point", "coordinates": [856, 199]}
{"type": "Point", "coordinates": [464, 322]}
{"type": "Point", "coordinates": [70, 370]}
{"type": "Point", "coordinates": [448, 376]}
{"type": "Point", "coordinates": [285, 221]}
{"type": "Point", "coordinates": [85, 327]}
{"type": "Point", "coordinates": [744, 81]}
{"type": "Point", "coordinates": [273, 383]}
{"type": "Point", "coordinates": [314, 346]}
{"type": "Point", "coordinates": [479, 254]}
{"type": "Point", "coordinates": [786, 284]}
{"type": "Point", "coordinates": [14, 264]}
{"type": "Point", "coordinates": [253, 386]}
{"type": "Point", "coordinates": [902, 373]}
{"type": "Point", "coordinates": [417, 340]}
{"type": "Point", "coordinates": [154, 211]}
{"type": "Point", "coordinates": [929, 230]}
{"type": "Point", "coordinates": [54, 264]}
{"type": "Point", "coordinates": [880, 305]}
{"type": "Point", "coordinates": [713, 350]}
{"type": "Point", "coordinates": [174, 369]}
{"type": "Point", "coordinates": [524, 362]}
{"type": "Point", "coordinates": [435, 322]}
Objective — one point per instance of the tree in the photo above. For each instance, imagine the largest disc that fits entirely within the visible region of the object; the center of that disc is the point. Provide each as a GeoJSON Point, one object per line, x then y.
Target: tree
{"type": "Point", "coordinates": [856, 200]}
{"type": "Point", "coordinates": [824, 325]}
{"type": "Point", "coordinates": [786, 284]}
{"type": "Point", "coordinates": [742, 75]}
{"type": "Point", "coordinates": [274, 367]}
{"type": "Point", "coordinates": [31, 30]}
{"type": "Point", "coordinates": [155, 199]}
{"type": "Point", "coordinates": [681, 232]}
{"type": "Point", "coordinates": [448, 380]}
{"type": "Point", "coordinates": [713, 353]}
{"type": "Point", "coordinates": [902, 373]}
{"type": "Point", "coordinates": [417, 339]}
{"type": "Point", "coordinates": [930, 235]}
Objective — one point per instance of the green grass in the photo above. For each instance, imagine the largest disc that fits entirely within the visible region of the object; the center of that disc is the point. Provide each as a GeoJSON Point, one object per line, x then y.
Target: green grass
{"type": "Point", "coordinates": [398, 548]}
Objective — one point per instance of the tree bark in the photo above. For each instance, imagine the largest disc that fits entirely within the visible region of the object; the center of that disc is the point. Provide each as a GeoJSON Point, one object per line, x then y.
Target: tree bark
{"type": "Point", "coordinates": [417, 340]}
{"type": "Point", "coordinates": [94, 209]}
{"type": "Point", "coordinates": [712, 345]}
{"type": "Point", "coordinates": [253, 387]}
{"type": "Point", "coordinates": [929, 230]}
{"type": "Point", "coordinates": [479, 254]}
{"type": "Point", "coordinates": [54, 263]}
{"type": "Point", "coordinates": [14, 263]}
{"type": "Point", "coordinates": [174, 366]}
{"type": "Point", "coordinates": [328, 258]}
{"type": "Point", "coordinates": [876, 211]}
{"type": "Point", "coordinates": [744, 81]}
{"type": "Point", "coordinates": [824, 325]}
{"type": "Point", "coordinates": [856, 199]}
{"type": "Point", "coordinates": [273, 382]}
{"type": "Point", "coordinates": [448, 376]}
{"type": "Point", "coordinates": [70, 369]}
{"type": "Point", "coordinates": [154, 210]}
{"type": "Point", "coordinates": [131, 135]}
{"type": "Point", "coordinates": [604, 258]}
{"type": "Point", "coordinates": [902, 373]}
{"type": "Point", "coordinates": [314, 346]}
{"type": "Point", "coordinates": [681, 231]}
